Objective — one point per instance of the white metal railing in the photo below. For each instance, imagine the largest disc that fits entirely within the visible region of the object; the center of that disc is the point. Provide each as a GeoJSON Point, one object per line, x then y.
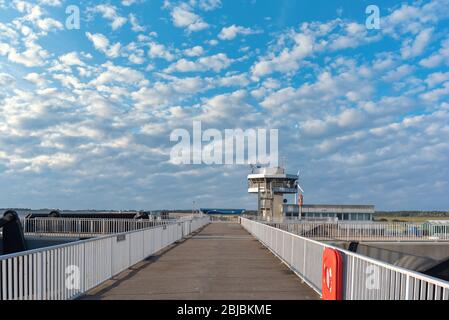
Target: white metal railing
{"type": "Point", "coordinates": [86, 227]}
{"type": "Point", "coordinates": [224, 218]}
{"type": "Point", "coordinates": [69, 270]}
{"type": "Point", "coordinates": [363, 231]}
{"type": "Point", "coordinates": [364, 278]}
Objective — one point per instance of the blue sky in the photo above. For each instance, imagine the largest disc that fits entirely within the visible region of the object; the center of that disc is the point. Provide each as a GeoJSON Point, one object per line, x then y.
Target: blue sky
{"type": "Point", "coordinates": [86, 115]}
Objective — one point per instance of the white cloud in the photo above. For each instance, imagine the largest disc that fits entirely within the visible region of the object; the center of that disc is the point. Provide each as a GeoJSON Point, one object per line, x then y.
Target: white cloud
{"type": "Point", "coordinates": [342, 117]}
{"type": "Point", "coordinates": [34, 12]}
{"type": "Point", "coordinates": [128, 3]}
{"type": "Point", "coordinates": [344, 35]}
{"type": "Point", "coordinates": [6, 79]}
{"type": "Point", "coordinates": [414, 48]}
{"type": "Point", "coordinates": [293, 47]}
{"type": "Point", "coordinates": [212, 42]}
{"type": "Point", "coordinates": [167, 93]}
{"type": "Point", "coordinates": [436, 59]}
{"type": "Point", "coordinates": [7, 32]}
{"type": "Point", "coordinates": [183, 17]}
{"type": "Point", "coordinates": [239, 80]}
{"type": "Point", "coordinates": [436, 78]}
{"type": "Point", "coordinates": [230, 110]}
{"type": "Point", "coordinates": [71, 59]}
{"type": "Point", "coordinates": [135, 26]}
{"type": "Point", "coordinates": [215, 63]}
{"type": "Point", "coordinates": [209, 5]}
{"type": "Point", "coordinates": [157, 50]}
{"type": "Point", "coordinates": [101, 43]}
{"type": "Point", "coordinates": [54, 161]}
{"type": "Point", "coordinates": [119, 74]}
{"type": "Point", "coordinates": [136, 59]}
{"type": "Point", "coordinates": [53, 3]}
{"type": "Point", "coordinates": [435, 94]}
{"type": "Point", "coordinates": [399, 73]}
{"type": "Point", "coordinates": [35, 78]}
{"type": "Point", "coordinates": [410, 19]}
{"type": "Point", "coordinates": [33, 56]}
{"type": "Point", "coordinates": [229, 33]}
{"type": "Point", "coordinates": [110, 12]}
{"type": "Point", "coordinates": [49, 24]}
{"type": "Point", "coordinates": [194, 52]}
{"type": "Point", "coordinates": [288, 60]}
{"type": "Point", "coordinates": [4, 49]}
{"type": "Point", "coordinates": [68, 81]}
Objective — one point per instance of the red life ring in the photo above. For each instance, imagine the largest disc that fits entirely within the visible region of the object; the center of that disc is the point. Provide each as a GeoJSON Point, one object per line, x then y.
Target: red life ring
{"type": "Point", "coordinates": [332, 275]}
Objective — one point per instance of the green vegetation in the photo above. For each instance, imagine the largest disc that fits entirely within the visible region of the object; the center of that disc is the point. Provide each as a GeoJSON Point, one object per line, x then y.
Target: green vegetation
{"type": "Point", "coordinates": [410, 216]}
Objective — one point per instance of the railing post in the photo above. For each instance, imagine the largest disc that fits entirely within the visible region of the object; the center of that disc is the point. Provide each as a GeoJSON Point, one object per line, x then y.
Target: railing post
{"type": "Point", "coordinates": [83, 289]}
{"type": "Point", "coordinates": [112, 256]}
{"type": "Point", "coordinates": [407, 287]}
{"type": "Point", "coordinates": [304, 261]}
{"type": "Point", "coordinates": [292, 251]}
{"type": "Point", "coordinates": [283, 245]}
{"type": "Point", "coordinates": [352, 277]}
{"type": "Point", "coordinates": [129, 249]}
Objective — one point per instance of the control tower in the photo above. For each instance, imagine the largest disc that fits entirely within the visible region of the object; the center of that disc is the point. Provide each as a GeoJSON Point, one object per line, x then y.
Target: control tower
{"type": "Point", "coordinates": [270, 185]}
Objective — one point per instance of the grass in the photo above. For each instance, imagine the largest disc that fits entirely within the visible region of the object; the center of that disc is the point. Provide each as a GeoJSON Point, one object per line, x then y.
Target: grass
{"type": "Point", "coordinates": [390, 218]}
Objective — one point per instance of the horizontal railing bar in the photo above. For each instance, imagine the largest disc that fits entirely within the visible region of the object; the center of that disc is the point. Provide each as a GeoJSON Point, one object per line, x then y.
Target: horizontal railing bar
{"type": "Point", "coordinates": [107, 236]}
{"type": "Point", "coordinates": [371, 260]}
{"type": "Point", "coordinates": [42, 274]}
{"type": "Point", "coordinates": [363, 230]}
{"type": "Point", "coordinates": [269, 236]}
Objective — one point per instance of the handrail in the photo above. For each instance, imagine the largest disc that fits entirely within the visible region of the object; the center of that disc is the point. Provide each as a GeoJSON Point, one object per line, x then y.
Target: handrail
{"type": "Point", "coordinates": [72, 227]}
{"type": "Point", "coordinates": [83, 241]}
{"type": "Point", "coordinates": [415, 274]}
{"type": "Point", "coordinates": [362, 230]}
{"type": "Point", "coordinates": [41, 274]}
{"type": "Point", "coordinates": [350, 281]}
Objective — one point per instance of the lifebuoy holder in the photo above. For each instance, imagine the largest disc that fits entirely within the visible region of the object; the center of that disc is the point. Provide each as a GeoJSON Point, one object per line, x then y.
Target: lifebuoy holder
{"type": "Point", "coordinates": [332, 275]}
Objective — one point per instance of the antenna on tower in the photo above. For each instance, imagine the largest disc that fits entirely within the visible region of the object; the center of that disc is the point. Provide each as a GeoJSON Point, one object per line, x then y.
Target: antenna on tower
{"type": "Point", "coordinates": [297, 183]}
{"type": "Point", "coordinates": [283, 163]}
{"type": "Point", "coordinates": [299, 195]}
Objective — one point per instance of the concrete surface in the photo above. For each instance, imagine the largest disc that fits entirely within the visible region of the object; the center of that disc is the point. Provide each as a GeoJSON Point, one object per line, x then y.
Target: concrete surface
{"type": "Point", "coordinates": [222, 261]}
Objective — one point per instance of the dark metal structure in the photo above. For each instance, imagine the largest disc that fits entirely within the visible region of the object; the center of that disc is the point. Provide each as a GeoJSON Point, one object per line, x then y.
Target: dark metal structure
{"type": "Point", "coordinates": [13, 237]}
{"type": "Point", "coordinates": [141, 215]}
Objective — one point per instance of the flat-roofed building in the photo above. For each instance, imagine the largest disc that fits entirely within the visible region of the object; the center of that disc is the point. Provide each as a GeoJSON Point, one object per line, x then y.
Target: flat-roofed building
{"type": "Point", "coordinates": [331, 211]}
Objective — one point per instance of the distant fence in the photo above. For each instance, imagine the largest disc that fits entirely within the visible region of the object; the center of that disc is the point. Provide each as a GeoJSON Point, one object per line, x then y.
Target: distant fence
{"type": "Point", "coordinates": [69, 270]}
{"type": "Point", "coordinates": [304, 256]}
{"type": "Point", "coordinates": [224, 218]}
{"type": "Point", "coordinates": [363, 231]}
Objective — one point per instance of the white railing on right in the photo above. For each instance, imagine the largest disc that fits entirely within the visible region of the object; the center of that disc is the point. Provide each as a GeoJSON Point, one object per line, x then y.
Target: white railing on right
{"type": "Point", "coordinates": [67, 271]}
{"type": "Point", "coordinates": [364, 278]}
{"type": "Point", "coordinates": [363, 230]}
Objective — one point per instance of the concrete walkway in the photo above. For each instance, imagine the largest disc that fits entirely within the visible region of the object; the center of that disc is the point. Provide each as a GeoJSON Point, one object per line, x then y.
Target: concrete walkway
{"type": "Point", "coordinates": [222, 261]}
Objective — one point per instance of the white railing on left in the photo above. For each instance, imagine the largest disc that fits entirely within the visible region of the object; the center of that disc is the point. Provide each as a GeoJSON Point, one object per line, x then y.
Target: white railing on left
{"type": "Point", "coordinates": [86, 227]}
{"type": "Point", "coordinates": [68, 271]}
